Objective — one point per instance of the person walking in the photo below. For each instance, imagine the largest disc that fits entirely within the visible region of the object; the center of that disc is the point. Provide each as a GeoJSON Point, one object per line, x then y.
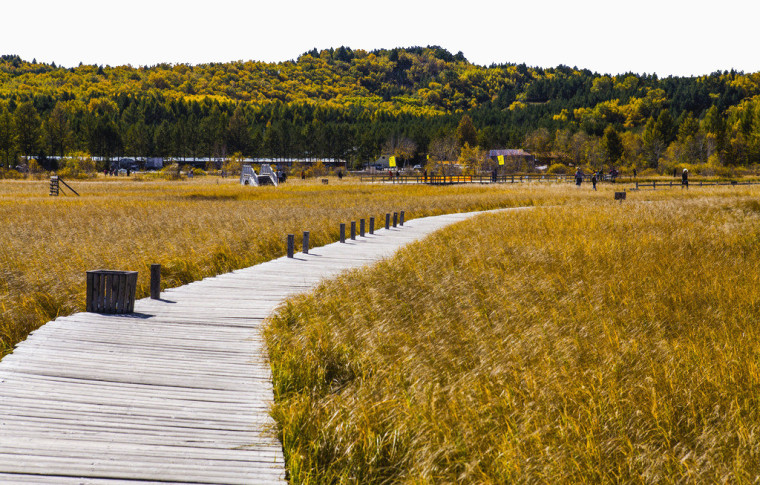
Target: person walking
{"type": "Point", "coordinates": [578, 177]}
{"type": "Point", "coordinates": [635, 172]}
{"type": "Point", "coordinates": [593, 180]}
{"type": "Point", "coordinates": [685, 179]}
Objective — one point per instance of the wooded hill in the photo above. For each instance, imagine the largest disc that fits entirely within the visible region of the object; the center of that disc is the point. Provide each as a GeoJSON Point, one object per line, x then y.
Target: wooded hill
{"type": "Point", "coordinates": [357, 105]}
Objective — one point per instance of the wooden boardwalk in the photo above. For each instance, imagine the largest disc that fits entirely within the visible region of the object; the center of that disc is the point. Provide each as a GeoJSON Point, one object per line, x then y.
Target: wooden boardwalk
{"type": "Point", "coordinates": [177, 392]}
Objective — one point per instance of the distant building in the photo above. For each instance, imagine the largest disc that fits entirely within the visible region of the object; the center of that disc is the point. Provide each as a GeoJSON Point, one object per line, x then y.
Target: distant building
{"type": "Point", "coordinates": [381, 163]}
{"type": "Point", "coordinates": [514, 157]}
{"type": "Point", "coordinates": [128, 164]}
{"type": "Point", "coordinates": [154, 163]}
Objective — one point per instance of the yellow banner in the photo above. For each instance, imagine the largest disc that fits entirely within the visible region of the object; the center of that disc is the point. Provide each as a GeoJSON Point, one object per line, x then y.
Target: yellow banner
{"type": "Point", "coordinates": [391, 162]}
{"type": "Point", "coordinates": [501, 159]}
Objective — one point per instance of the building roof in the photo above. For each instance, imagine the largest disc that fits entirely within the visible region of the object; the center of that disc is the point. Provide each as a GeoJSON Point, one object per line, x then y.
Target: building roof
{"type": "Point", "coordinates": [510, 152]}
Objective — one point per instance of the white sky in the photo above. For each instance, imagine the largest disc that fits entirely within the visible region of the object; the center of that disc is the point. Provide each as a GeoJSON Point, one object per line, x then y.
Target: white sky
{"type": "Point", "coordinates": [675, 37]}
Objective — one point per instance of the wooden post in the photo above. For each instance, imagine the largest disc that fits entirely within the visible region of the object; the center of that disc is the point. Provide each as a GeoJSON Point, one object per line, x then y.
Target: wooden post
{"type": "Point", "coordinates": [306, 242]}
{"type": "Point", "coordinates": [155, 281]}
{"type": "Point", "coordinates": [90, 293]}
{"type": "Point", "coordinates": [401, 221]}
{"type": "Point", "coordinates": [361, 227]}
{"type": "Point", "coordinates": [395, 219]}
{"type": "Point", "coordinates": [387, 221]}
{"type": "Point", "coordinates": [291, 244]}
{"type": "Point", "coordinates": [342, 232]}
{"type": "Point", "coordinates": [371, 225]}
{"type": "Point", "coordinates": [353, 230]}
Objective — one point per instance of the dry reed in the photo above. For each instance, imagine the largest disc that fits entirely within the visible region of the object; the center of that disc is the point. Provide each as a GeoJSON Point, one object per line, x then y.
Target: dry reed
{"type": "Point", "coordinates": [192, 228]}
{"type": "Point", "coordinates": [598, 342]}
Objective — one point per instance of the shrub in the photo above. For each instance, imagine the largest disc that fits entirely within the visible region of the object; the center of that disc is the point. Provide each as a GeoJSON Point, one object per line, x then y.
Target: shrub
{"type": "Point", "coordinates": [558, 169]}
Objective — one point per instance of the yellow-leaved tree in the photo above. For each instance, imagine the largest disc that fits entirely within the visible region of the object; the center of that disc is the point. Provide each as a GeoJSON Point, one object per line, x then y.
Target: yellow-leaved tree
{"type": "Point", "coordinates": [77, 165]}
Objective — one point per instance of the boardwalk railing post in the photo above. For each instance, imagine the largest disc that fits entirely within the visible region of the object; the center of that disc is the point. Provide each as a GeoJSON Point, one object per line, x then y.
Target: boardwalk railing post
{"type": "Point", "coordinates": [90, 295]}
{"type": "Point", "coordinates": [155, 281]}
{"type": "Point", "coordinates": [371, 225]}
{"type": "Point", "coordinates": [361, 227]}
{"type": "Point", "coordinates": [342, 232]}
{"type": "Point", "coordinates": [395, 219]}
{"type": "Point", "coordinates": [291, 245]}
{"type": "Point", "coordinates": [387, 221]}
{"type": "Point", "coordinates": [401, 220]}
{"type": "Point", "coordinates": [306, 242]}
{"type": "Point", "coordinates": [353, 230]}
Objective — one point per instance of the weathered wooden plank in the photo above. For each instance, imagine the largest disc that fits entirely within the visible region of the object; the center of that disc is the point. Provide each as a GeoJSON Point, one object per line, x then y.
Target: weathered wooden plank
{"type": "Point", "coordinates": [177, 392]}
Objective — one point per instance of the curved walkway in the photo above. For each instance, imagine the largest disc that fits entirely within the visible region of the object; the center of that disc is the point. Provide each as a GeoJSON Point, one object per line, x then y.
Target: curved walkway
{"type": "Point", "coordinates": [178, 392]}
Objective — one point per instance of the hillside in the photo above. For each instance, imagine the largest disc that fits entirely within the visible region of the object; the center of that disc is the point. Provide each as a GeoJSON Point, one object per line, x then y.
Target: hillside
{"type": "Point", "coordinates": [354, 105]}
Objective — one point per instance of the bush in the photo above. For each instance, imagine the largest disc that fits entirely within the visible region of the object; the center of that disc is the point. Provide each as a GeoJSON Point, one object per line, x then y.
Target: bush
{"type": "Point", "coordinates": [558, 169]}
{"type": "Point", "coordinates": [77, 165]}
{"type": "Point", "coordinates": [9, 173]}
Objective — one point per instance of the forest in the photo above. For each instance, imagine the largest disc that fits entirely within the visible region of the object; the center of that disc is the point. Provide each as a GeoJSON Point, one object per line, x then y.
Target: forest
{"type": "Point", "coordinates": [417, 103]}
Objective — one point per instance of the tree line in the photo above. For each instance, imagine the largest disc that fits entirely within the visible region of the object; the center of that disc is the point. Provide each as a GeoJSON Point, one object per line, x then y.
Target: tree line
{"type": "Point", "coordinates": [356, 105]}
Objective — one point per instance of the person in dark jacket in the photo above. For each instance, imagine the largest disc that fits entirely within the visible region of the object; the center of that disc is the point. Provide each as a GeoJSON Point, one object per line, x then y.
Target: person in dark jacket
{"type": "Point", "coordinates": [578, 177]}
{"type": "Point", "coordinates": [593, 180]}
{"type": "Point", "coordinates": [685, 179]}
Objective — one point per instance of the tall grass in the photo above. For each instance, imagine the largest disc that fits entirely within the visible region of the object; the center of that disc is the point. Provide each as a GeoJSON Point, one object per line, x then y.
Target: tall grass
{"type": "Point", "coordinates": [193, 229]}
{"type": "Point", "coordinates": [594, 343]}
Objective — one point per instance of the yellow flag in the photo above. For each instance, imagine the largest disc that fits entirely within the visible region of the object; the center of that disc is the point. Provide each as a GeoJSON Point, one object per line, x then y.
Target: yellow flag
{"type": "Point", "coordinates": [391, 162]}
{"type": "Point", "coordinates": [501, 159]}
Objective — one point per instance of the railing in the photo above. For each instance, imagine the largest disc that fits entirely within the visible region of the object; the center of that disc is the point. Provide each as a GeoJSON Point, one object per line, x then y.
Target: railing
{"type": "Point", "coordinates": [463, 179]}
{"type": "Point", "coordinates": [525, 178]}
{"type": "Point", "coordinates": [654, 184]}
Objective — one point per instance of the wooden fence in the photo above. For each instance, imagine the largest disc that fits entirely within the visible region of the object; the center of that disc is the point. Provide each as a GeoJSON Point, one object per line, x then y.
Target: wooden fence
{"type": "Point", "coordinates": [654, 185]}
{"type": "Point", "coordinates": [464, 179]}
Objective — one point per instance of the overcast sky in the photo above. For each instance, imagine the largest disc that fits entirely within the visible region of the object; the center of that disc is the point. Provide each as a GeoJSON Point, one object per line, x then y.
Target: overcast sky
{"type": "Point", "coordinates": [669, 37]}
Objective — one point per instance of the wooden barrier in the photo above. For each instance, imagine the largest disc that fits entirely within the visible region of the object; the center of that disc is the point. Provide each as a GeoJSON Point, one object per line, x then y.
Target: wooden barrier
{"type": "Point", "coordinates": [371, 225]}
{"type": "Point", "coordinates": [110, 291]}
{"type": "Point", "coordinates": [342, 232]}
{"type": "Point", "coordinates": [306, 242]}
{"type": "Point", "coordinates": [291, 245]}
{"type": "Point", "coordinates": [155, 281]}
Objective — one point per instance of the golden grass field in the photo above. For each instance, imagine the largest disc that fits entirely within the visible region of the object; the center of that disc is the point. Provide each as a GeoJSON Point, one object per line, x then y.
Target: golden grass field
{"type": "Point", "coordinates": [192, 228]}
{"type": "Point", "coordinates": [592, 342]}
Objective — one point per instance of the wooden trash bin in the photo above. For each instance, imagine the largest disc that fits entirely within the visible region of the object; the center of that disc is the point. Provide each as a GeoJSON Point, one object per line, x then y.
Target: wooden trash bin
{"type": "Point", "coordinates": [110, 291]}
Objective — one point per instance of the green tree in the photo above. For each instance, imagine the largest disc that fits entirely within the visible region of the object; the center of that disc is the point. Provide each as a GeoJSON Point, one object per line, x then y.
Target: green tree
{"type": "Point", "coordinates": [654, 143]}
{"type": "Point", "coordinates": [58, 133]}
{"type": "Point", "coordinates": [613, 145]}
{"type": "Point", "coordinates": [239, 132]}
{"type": "Point", "coordinates": [26, 122]}
{"type": "Point", "coordinates": [466, 132]}
{"type": "Point", "coordinates": [7, 136]}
